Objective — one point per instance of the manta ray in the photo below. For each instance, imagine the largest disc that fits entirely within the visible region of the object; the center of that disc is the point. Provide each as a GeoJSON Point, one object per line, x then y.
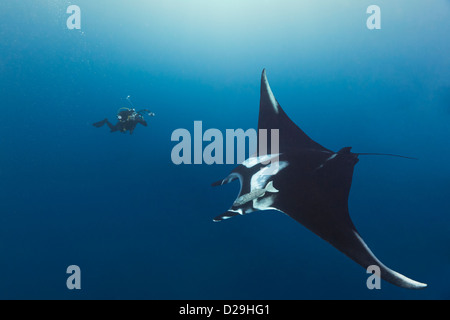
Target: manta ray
{"type": "Point", "coordinates": [307, 182]}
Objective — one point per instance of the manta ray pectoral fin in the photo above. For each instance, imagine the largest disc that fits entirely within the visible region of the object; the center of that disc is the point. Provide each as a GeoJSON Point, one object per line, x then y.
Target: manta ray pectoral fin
{"type": "Point", "coordinates": [360, 253]}
{"type": "Point", "coordinates": [226, 215]}
{"type": "Point", "coordinates": [272, 116]}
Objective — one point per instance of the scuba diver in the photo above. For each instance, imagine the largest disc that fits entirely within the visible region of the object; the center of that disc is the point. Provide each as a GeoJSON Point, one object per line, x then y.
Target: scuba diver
{"type": "Point", "coordinates": [128, 119]}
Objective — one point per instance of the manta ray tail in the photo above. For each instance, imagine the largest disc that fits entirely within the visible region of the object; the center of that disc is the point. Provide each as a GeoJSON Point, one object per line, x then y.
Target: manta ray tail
{"type": "Point", "coordinates": [385, 154]}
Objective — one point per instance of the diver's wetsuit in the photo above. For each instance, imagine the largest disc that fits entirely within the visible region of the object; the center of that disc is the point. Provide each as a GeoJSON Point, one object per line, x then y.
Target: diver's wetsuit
{"type": "Point", "coordinates": [128, 120]}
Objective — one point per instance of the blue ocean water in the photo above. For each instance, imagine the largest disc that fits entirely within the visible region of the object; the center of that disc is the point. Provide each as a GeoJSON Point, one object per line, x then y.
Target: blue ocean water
{"type": "Point", "coordinates": [139, 226]}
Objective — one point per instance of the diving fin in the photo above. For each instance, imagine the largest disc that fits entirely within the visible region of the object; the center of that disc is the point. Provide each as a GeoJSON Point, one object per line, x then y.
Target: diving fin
{"type": "Point", "coordinates": [100, 123]}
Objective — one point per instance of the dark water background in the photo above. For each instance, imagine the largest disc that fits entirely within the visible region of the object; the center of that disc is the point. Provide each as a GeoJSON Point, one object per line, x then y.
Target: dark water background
{"type": "Point", "coordinates": [141, 227]}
